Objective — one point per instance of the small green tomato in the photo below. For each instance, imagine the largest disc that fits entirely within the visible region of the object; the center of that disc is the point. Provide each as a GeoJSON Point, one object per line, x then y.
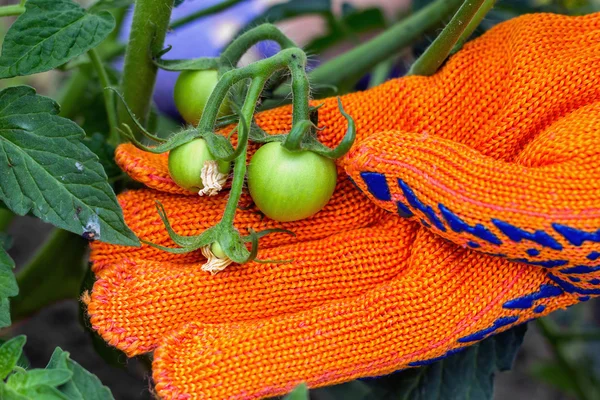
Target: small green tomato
{"type": "Point", "coordinates": [192, 90]}
{"type": "Point", "coordinates": [289, 186]}
{"type": "Point", "coordinates": [217, 250]}
{"type": "Point", "coordinates": [186, 163]}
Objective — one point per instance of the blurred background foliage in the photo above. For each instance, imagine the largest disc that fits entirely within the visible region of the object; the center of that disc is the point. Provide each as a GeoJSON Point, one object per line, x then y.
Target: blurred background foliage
{"type": "Point", "coordinates": [560, 356]}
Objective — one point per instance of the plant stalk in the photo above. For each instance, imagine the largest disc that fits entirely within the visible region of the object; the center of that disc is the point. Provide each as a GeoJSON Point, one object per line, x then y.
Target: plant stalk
{"type": "Point", "coordinates": [435, 55]}
{"type": "Point", "coordinates": [363, 58]}
{"type": "Point", "coordinates": [6, 217]}
{"type": "Point", "coordinates": [549, 331]}
{"type": "Point", "coordinates": [239, 169]}
{"type": "Point", "coordinates": [148, 31]}
{"type": "Point", "coordinates": [479, 16]}
{"type": "Point", "coordinates": [203, 13]}
{"type": "Point", "coordinates": [12, 10]}
{"type": "Point", "coordinates": [55, 273]}
{"type": "Point", "coordinates": [109, 100]}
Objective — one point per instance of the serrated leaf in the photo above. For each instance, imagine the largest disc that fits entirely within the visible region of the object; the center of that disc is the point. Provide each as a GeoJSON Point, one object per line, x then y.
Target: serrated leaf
{"type": "Point", "coordinates": [23, 362]}
{"type": "Point", "coordinates": [10, 352]}
{"type": "Point", "coordinates": [300, 392]}
{"type": "Point", "coordinates": [48, 34]}
{"type": "Point", "coordinates": [105, 152]}
{"type": "Point", "coordinates": [44, 392]}
{"type": "Point", "coordinates": [47, 170]}
{"type": "Point", "coordinates": [467, 375]}
{"type": "Point", "coordinates": [8, 287]}
{"type": "Point", "coordinates": [102, 5]}
{"type": "Point", "coordinates": [22, 380]}
{"type": "Point", "coordinates": [83, 385]}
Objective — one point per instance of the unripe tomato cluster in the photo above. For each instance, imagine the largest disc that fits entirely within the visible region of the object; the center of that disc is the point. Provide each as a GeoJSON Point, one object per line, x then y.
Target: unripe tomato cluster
{"type": "Point", "coordinates": [285, 186]}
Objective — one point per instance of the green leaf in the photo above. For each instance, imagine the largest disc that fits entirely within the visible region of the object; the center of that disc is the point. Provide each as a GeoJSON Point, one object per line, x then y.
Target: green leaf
{"type": "Point", "coordinates": [50, 33]}
{"type": "Point", "coordinates": [465, 375]}
{"type": "Point", "coordinates": [43, 392]}
{"type": "Point", "coordinates": [10, 352]}
{"type": "Point", "coordinates": [7, 393]}
{"type": "Point", "coordinates": [23, 362]}
{"type": "Point", "coordinates": [300, 392]}
{"type": "Point", "coordinates": [22, 380]}
{"type": "Point", "coordinates": [8, 287]}
{"type": "Point", "coordinates": [102, 5]}
{"type": "Point", "coordinates": [554, 375]}
{"type": "Point", "coordinates": [47, 170]}
{"type": "Point", "coordinates": [105, 152]}
{"type": "Point", "coordinates": [83, 385]}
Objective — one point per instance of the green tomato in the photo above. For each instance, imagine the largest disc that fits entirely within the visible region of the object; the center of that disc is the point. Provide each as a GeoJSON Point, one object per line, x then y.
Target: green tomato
{"type": "Point", "coordinates": [186, 162]}
{"type": "Point", "coordinates": [288, 186]}
{"type": "Point", "coordinates": [192, 90]}
{"type": "Point", "coordinates": [217, 250]}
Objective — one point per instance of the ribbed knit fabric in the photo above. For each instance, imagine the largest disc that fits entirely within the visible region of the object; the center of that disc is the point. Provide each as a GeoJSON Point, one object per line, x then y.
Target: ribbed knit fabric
{"type": "Point", "coordinates": [478, 209]}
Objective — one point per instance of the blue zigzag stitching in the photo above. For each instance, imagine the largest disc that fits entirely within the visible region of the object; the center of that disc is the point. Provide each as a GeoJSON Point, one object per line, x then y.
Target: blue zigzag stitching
{"type": "Point", "coordinates": [527, 301]}
{"type": "Point", "coordinates": [482, 334]}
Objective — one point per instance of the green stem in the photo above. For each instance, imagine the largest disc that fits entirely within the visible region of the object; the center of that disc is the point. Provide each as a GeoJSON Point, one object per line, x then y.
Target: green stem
{"type": "Point", "coordinates": [363, 58]}
{"type": "Point", "coordinates": [148, 30]}
{"type": "Point", "coordinates": [479, 15]}
{"type": "Point", "coordinates": [234, 52]}
{"type": "Point", "coordinates": [55, 273]}
{"type": "Point", "coordinates": [301, 123]}
{"type": "Point", "coordinates": [435, 55]}
{"type": "Point", "coordinates": [12, 10]}
{"type": "Point", "coordinates": [381, 72]}
{"type": "Point", "coordinates": [549, 331]}
{"type": "Point", "coordinates": [109, 100]}
{"type": "Point", "coordinates": [6, 217]}
{"type": "Point", "coordinates": [260, 68]}
{"type": "Point", "coordinates": [591, 336]}
{"type": "Point", "coordinates": [239, 170]}
{"type": "Point", "coordinates": [203, 13]}
{"type": "Point", "coordinates": [70, 95]}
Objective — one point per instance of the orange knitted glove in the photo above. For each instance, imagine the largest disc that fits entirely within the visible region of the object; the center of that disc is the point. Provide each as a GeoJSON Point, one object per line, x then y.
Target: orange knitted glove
{"type": "Point", "coordinates": [497, 153]}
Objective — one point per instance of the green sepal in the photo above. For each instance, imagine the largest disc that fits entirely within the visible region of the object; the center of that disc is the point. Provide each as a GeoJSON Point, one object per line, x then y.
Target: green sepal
{"type": "Point", "coordinates": [311, 143]}
{"type": "Point", "coordinates": [233, 245]}
{"type": "Point", "coordinates": [218, 146]}
{"type": "Point", "coordinates": [196, 64]}
{"type": "Point", "coordinates": [188, 243]}
{"type": "Point", "coordinates": [178, 139]}
{"type": "Point", "coordinates": [258, 135]}
{"type": "Point", "coordinates": [137, 123]}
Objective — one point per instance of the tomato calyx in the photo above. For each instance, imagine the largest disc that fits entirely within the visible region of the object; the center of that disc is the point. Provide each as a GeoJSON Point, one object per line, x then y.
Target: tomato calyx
{"type": "Point", "coordinates": [303, 136]}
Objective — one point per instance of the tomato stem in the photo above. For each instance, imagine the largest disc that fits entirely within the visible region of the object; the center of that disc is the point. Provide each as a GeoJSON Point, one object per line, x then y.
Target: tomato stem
{"type": "Point", "coordinates": [109, 100]}
{"type": "Point", "coordinates": [240, 45]}
{"type": "Point", "coordinates": [148, 30]}
{"type": "Point", "coordinates": [361, 59]}
{"type": "Point", "coordinates": [239, 169]}
{"type": "Point", "coordinates": [203, 13]}
{"type": "Point", "coordinates": [477, 18]}
{"type": "Point", "coordinates": [12, 10]}
{"type": "Point", "coordinates": [260, 70]}
{"type": "Point", "coordinates": [435, 55]}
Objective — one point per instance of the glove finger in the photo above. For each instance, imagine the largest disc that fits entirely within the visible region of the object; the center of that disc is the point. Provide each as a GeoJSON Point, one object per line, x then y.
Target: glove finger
{"type": "Point", "coordinates": [544, 215]}
{"type": "Point", "coordinates": [135, 302]}
{"type": "Point", "coordinates": [191, 215]}
{"type": "Point", "coordinates": [445, 299]}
